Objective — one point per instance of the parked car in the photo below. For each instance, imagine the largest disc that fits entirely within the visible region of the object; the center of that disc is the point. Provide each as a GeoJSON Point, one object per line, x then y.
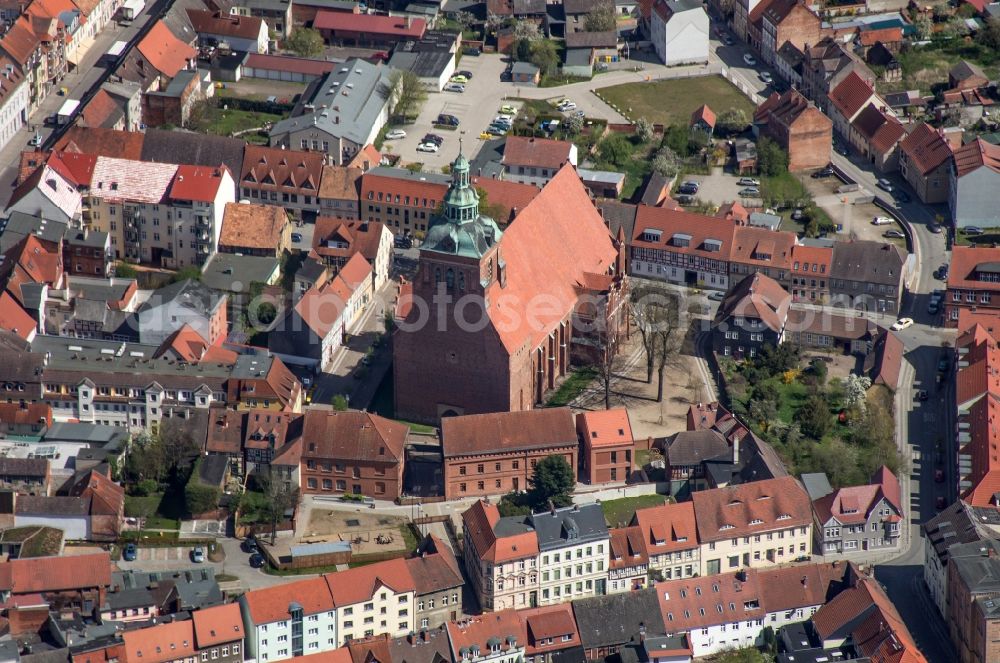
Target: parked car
{"type": "Point", "coordinates": [893, 234]}
{"type": "Point", "coordinates": [129, 552]}
{"type": "Point", "coordinates": [941, 273]}
{"type": "Point", "coordinates": [459, 78]}
{"type": "Point", "coordinates": [685, 199]}
{"type": "Point", "coordinates": [884, 184]}
{"type": "Point", "coordinates": [841, 149]}
{"type": "Point", "coordinates": [198, 555]}
{"type": "Point", "coordinates": [765, 77]}
{"type": "Point", "coordinates": [686, 190]}
{"type": "Point", "coordinates": [395, 134]}
{"type": "Point", "coordinates": [748, 181]}
{"type": "Point", "coordinates": [256, 560]}
{"type": "Point", "coordinates": [494, 131]}
{"type": "Point", "coordinates": [727, 40]}
{"type": "Point", "coordinates": [427, 147]}
{"type": "Point", "coordinates": [823, 172]}
{"type": "Point", "coordinates": [507, 109]}
{"type": "Point", "coordinates": [935, 228]}
{"type": "Point", "coordinates": [447, 120]}
{"type": "Point", "coordinates": [750, 192]}
{"type": "Point", "coordinates": [902, 324]}
{"type": "Point", "coordinates": [902, 197]}
{"type": "Point", "coordinates": [466, 73]}
{"type": "Point", "coordinates": [433, 138]}
{"type": "Point", "coordinates": [972, 230]}
{"type": "Point", "coordinates": [940, 503]}
{"type": "Point", "coordinates": [566, 106]}
{"type": "Point", "coordinates": [750, 60]}
{"type": "Point", "coordinates": [944, 364]}
{"type": "Point", "coordinates": [454, 87]}
{"type": "Point", "coordinates": [716, 296]}
{"type": "Point", "coordinates": [36, 140]}
{"type": "Point", "coordinates": [881, 221]}
{"type": "Point", "coordinates": [296, 237]}
{"type": "Point", "coordinates": [691, 184]}
{"type": "Point", "coordinates": [933, 308]}
{"type": "Point", "coordinates": [249, 544]}
{"type": "Point", "coordinates": [475, 52]}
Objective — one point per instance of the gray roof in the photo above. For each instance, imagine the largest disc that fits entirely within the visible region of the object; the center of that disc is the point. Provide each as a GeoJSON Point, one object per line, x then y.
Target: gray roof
{"type": "Point", "coordinates": [606, 176]}
{"type": "Point", "coordinates": [18, 225]}
{"type": "Point", "coordinates": [224, 270]}
{"type": "Point", "coordinates": [978, 563]}
{"type": "Point", "coordinates": [196, 588]}
{"type": "Point", "coordinates": [425, 64]}
{"type": "Point", "coordinates": [817, 485]}
{"type": "Point", "coordinates": [346, 103]}
{"type": "Point", "coordinates": [960, 524]}
{"type": "Point", "coordinates": [579, 57]}
{"type": "Point", "coordinates": [684, 5]}
{"type": "Point", "coordinates": [584, 6]}
{"type": "Point", "coordinates": [310, 270]}
{"type": "Point", "coordinates": [96, 434]}
{"type": "Point", "coordinates": [52, 506]}
{"type": "Point", "coordinates": [190, 293]}
{"type": "Point", "coordinates": [95, 239]}
{"type": "Point", "coordinates": [618, 618]}
{"type": "Point", "coordinates": [873, 262]}
{"type": "Point", "coordinates": [24, 467]}
{"type": "Point", "coordinates": [405, 174]}
{"type": "Point", "coordinates": [98, 289]}
{"type": "Point", "coordinates": [320, 548]}
{"type": "Point", "coordinates": [570, 525]}
{"type": "Point", "coordinates": [618, 215]}
{"type": "Point", "coordinates": [212, 469]}
{"type": "Point", "coordinates": [524, 68]}
{"type": "Point", "coordinates": [693, 447]}
{"type": "Point", "coordinates": [765, 220]}
{"type": "Point", "coordinates": [185, 147]}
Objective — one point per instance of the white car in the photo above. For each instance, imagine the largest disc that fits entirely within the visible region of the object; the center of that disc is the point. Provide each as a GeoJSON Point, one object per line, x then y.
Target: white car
{"type": "Point", "coordinates": [454, 87]}
{"type": "Point", "coordinates": [766, 77]}
{"type": "Point", "coordinates": [568, 106]}
{"type": "Point", "coordinates": [427, 147]}
{"type": "Point", "coordinates": [881, 221]}
{"type": "Point", "coordinates": [749, 59]}
{"type": "Point", "coordinates": [395, 134]}
{"type": "Point", "coordinates": [902, 324]}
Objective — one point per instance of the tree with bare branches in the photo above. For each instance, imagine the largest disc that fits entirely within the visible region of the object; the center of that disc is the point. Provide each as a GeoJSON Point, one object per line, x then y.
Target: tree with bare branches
{"type": "Point", "coordinates": [657, 316]}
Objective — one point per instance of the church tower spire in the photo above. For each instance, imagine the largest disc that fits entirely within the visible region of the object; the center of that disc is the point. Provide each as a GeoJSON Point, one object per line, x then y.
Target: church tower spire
{"type": "Point", "coordinates": [460, 229]}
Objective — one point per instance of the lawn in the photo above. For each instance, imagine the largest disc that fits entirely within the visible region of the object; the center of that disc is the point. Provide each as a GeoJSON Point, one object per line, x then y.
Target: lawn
{"type": "Point", "coordinates": [219, 122]}
{"type": "Point", "coordinates": [137, 507]}
{"type": "Point", "coordinates": [989, 237]}
{"type": "Point", "coordinates": [673, 101]}
{"type": "Point", "coordinates": [572, 387]}
{"type": "Point", "coordinates": [621, 510]}
{"type": "Point", "coordinates": [926, 68]}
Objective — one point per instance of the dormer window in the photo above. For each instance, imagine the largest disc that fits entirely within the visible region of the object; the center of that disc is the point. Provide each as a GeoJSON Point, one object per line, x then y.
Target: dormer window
{"type": "Point", "coordinates": [756, 521]}
{"type": "Point", "coordinates": [650, 235]}
{"type": "Point", "coordinates": [682, 240]}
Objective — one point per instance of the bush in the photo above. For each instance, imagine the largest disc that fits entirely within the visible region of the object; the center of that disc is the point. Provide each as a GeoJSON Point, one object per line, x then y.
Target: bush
{"type": "Point", "coordinates": [145, 487]}
{"type": "Point", "coordinates": [615, 149]}
{"type": "Point", "coordinates": [200, 497]}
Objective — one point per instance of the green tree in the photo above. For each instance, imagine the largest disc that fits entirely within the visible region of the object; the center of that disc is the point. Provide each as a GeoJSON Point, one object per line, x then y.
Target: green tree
{"type": "Point", "coordinates": [525, 35]}
{"type": "Point", "coordinates": [572, 126]}
{"type": "Point", "coordinates": [305, 42]}
{"type": "Point", "coordinates": [771, 159]}
{"type": "Point", "coordinates": [124, 270]}
{"type": "Point", "coordinates": [666, 162]}
{"type": "Point", "coordinates": [819, 369]}
{"type": "Point", "coordinates": [732, 121]}
{"type": "Point", "coordinates": [814, 417]}
{"type": "Point", "coordinates": [199, 497]}
{"type": "Point", "coordinates": [553, 479]}
{"type": "Point", "coordinates": [678, 139]}
{"type": "Point", "coordinates": [601, 19]}
{"type": "Point", "coordinates": [339, 402]}
{"type": "Point", "coordinates": [922, 26]}
{"type": "Point", "coordinates": [643, 130]}
{"type": "Point", "coordinates": [408, 92]}
{"type": "Point", "coordinates": [544, 56]}
{"type": "Point", "coordinates": [989, 35]}
{"type": "Point", "coordinates": [615, 149]}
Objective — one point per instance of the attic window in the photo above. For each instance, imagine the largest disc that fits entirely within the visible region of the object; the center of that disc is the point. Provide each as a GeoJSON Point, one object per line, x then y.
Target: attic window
{"type": "Point", "coordinates": [784, 516]}
{"type": "Point", "coordinates": [682, 240]}
{"type": "Point", "coordinates": [724, 527]}
{"type": "Point", "coordinates": [650, 235]}
{"type": "Point", "coordinates": [756, 521]}
{"type": "Point", "coordinates": [621, 431]}
{"type": "Point", "coordinates": [713, 245]}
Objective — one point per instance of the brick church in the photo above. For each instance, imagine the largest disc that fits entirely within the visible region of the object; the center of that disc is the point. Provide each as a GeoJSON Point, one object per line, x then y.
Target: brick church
{"type": "Point", "coordinates": [493, 319]}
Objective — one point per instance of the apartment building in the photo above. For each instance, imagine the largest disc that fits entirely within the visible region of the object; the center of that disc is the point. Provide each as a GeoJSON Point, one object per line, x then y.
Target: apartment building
{"type": "Point", "coordinates": [753, 525]}
{"type": "Point", "coordinates": [859, 518]}
{"type": "Point", "coordinates": [493, 454]}
{"type": "Point", "coordinates": [944, 537]}
{"type": "Point", "coordinates": [628, 565]}
{"type": "Point", "coordinates": [501, 558]}
{"type": "Point", "coordinates": [135, 386]}
{"type": "Point", "coordinates": [535, 160]}
{"type": "Point", "coordinates": [751, 317]}
{"type": "Point", "coordinates": [925, 162]}
{"type": "Point", "coordinates": [973, 279]}
{"type": "Point", "coordinates": [158, 213]}
{"type": "Point", "coordinates": [798, 127]}
{"type": "Point", "coordinates": [973, 601]}
{"type": "Point", "coordinates": [290, 619]}
{"type": "Point", "coordinates": [787, 21]}
{"type": "Point", "coordinates": [403, 201]}
{"type": "Point", "coordinates": [669, 536]}
{"type": "Point", "coordinates": [573, 551]}
{"type": "Point", "coordinates": [372, 599]}
{"type": "Point", "coordinates": [336, 240]}
{"type": "Point", "coordinates": [214, 633]}
{"type": "Point", "coordinates": [288, 178]}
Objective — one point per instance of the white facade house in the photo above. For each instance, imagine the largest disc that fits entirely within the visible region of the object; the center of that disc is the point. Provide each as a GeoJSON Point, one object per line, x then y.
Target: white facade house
{"type": "Point", "coordinates": [573, 551]}
{"type": "Point", "coordinates": [47, 194]}
{"type": "Point", "coordinates": [13, 100]}
{"type": "Point", "coordinates": [288, 620]}
{"type": "Point", "coordinates": [243, 34]}
{"type": "Point", "coordinates": [679, 31]}
{"type": "Point", "coordinates": [159, 213]}
{"type": "Point", "coordinates": [535, 160]}
{"type": "Point", "coordinates": [374, 599]}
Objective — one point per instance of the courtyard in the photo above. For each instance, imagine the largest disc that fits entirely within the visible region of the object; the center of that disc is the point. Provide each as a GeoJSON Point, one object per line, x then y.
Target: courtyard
{"type": "Point", "coordinates": [369, 532]}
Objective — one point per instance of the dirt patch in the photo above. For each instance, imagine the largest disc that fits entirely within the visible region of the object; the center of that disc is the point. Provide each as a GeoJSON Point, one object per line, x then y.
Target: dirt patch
{"type": "Point", "coordinates": [367, 531]}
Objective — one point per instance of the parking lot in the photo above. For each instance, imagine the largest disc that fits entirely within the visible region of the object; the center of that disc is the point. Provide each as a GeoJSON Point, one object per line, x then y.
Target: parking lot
{"type": "Point", "coordinates": [474, 108]}
{"type": "Point", "coordinates": [719, 187]}
{"type": "Point", "coordinates": [856, 218]}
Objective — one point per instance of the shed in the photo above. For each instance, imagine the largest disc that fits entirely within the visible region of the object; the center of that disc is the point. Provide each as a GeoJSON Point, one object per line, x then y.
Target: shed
{"type": "Point", "coordinates": [525, 73]}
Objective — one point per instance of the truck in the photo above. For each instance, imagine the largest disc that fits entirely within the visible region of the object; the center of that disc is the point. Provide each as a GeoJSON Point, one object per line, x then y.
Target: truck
{"type": "Point", "coordinates": [114, 53]}
{"type": "Point", "coordinates": [67, 111]}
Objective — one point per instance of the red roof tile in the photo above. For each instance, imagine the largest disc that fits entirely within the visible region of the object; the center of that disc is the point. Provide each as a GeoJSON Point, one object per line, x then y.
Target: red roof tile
{"type": "Point", "coordinates": [20, 41]}
{"type": "Point", "coordinates": [271, 604]}
{"type": "Point", "coordinates": [217, 625]}
{"type": "Point", "coordinates": [850, 96]}
{"type": "Point", "coordinates": [479, 520]}
{"type": "Point", "coordinates": [15, 319]}
{"type": "Point", "coordinates": [538, 152]}
{"type": "Point", "coordinates": [285, 63]}
{"type": "Point", "coordinates": [627, 547]}
{"type": "Point", "coordinates": [164, 51]}
{"type": "Point", "coordinates": [477, 434]}
{"type": "Point", "coordinates": [273, 167]}
{"type": "Point", "coordinates": [683, 232]}
{"type": "Point", "coordinates": [553, 623]}
{"type": "Point", "coordinates": [250, 226]}
{"type": "Point", "coordinates": [746, 509]}
{"type": "Point", "coordinates": [977, 154]}
{"type": "Point", "coordinates": [99, 110]}
{"type": "Point", "coordinates": [359, 584]}
{"type": "Point", "coordinates": [353, 435]}
{"type": "Point", "coordinates": [53, 574]}
{"type": "Point", "coordinates": [604, 427]}
{"type": "Point", "coordinates": [703, 114]}
{"type": "Point", "coordinates": [394, 26]}
{"type": "Point", "coordinates": [667, 528]}
{"type": "Point", "coordinates": [479, 631]}
{"type": "Point", "coordinates": [513, 197]}
{"type": "Point", "coordinates": [102, 142]}
{"type": "Point", "coordinates": [161, 643]}
{"type": "Point", "coordinates": [229, 25]}
{"type": "Point", "coordinates": [852, 505]}
{"type": "Point", "coordinates": [197, 183]}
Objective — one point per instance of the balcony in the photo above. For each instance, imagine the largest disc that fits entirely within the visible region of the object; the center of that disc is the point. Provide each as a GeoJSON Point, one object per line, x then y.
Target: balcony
{"type": "Point", "coordinates": [203, 221]}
